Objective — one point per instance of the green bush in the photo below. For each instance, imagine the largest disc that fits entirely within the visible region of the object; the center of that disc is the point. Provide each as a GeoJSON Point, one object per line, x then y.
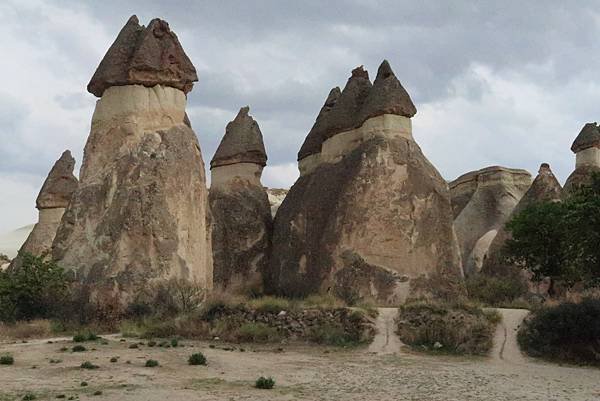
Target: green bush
{"type": "Point", "coordinates": [270, 304]}
{"type": "Point", "coordinates": [89, 365]}
{"type": "Point", "coordinates": [264, 383]}
{"type": "Point", "coordinates": [114, 359]}
{"type": "Point", "coordinates": [496, 290]}
{"type": "Point", "coordinates": [151, 363]}
{"type": "Point", "coordinates": [174, 342]}
{"type": "Point", "coordinates": [78, 348]}
{"type": "Point", "coordinates": [197, 359]}
{"type": "Point", "coordinates": [29, 397]}
{"type": "Point", "coordinates": [568, 332]}
{"type": "Point", "coordinates": [85, 336]}
{"type": "Point", "coordinates": [35, 289]}
{"type": "Point", "coordinates": [331, 335]}
{"type": "Point", "coordinates": [456, 328]}
{"type": "Point", "coordinates": [257, 332]}
{"type": "Point", "coordinates": [7, 360]}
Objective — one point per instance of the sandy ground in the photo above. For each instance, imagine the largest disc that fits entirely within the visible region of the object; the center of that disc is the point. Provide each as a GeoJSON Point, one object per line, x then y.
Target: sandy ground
{"type": "Point", "coordinates": [301, 372]}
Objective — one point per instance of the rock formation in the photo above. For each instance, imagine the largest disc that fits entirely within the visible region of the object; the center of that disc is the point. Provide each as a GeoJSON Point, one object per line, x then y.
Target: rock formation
{"type": "Point", "coordinates": [276, 197]}
{"type": "Point", "coordinates": [51, 202]}
{"type": "Point", "coordinates": [140, 213]}
{"type": "Point", "coordinates": [497, 192]}
{"type": "Point", "coordinates": [587, 156]}
{"type": "Point", "coordinates": [369, 217]}
{"type": "Point", "coordinates": [545, 188]}
{"type": "Point", "coordinates": [242, 221]}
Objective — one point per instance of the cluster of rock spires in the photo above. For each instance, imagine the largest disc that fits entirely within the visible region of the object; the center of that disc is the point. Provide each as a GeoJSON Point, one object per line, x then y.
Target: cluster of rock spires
{"type": "Point", "coordinates": [369, 216]}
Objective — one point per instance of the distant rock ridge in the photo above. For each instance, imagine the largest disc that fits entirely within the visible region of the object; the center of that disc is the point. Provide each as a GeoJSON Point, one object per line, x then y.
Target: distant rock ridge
{"type": "Point", "coordinates": [544, 188]}
{"type": "Point", "coordinates": [140, 213]}
{"type": "Point", "coordinates": [484, 198]}
{"type": "Point", "coordinates": [586, 147]}
{"type": "Point", "coordinates": [146, 56]}
{"type": "Point", "coordinates": [54, 197]}
{"type": "Point", "coordinates": [369, 217]}
{"type": "Point", "coordinates": [241, 214]}
{"type": "Point", "coordinates": [242, 143]}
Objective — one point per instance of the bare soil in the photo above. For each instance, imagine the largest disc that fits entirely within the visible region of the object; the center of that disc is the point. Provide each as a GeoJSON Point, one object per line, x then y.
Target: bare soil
{"type": "Point", "coordinates": [387, 371]}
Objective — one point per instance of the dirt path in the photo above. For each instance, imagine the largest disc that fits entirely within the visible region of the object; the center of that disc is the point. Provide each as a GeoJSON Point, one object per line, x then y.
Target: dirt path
{"type": "Point", "coordinates": [386, 340]}
{"type": "Point", "coordinates": [505, 340]}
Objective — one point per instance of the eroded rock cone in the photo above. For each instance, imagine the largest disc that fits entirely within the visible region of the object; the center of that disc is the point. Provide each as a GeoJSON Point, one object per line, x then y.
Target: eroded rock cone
{"type": "Point", "coordinates": [54, 197]}
{"type": "Point", "coordinates": [498, 190]}
{"type": "Point", "coordinates": [587, 157]}
{"type": "Point", "coordinates": [545, 188]}
{"type": "Point", "coordinates": [242, 222]}
{"type": "Point", "coordinates": [314, 139]}
{"type": "Point", "coordinates": [139, 215]}
{"type": "Point", "coordinates": [373, 218]}
{"type": "Point", "coordinates": [146, 56]}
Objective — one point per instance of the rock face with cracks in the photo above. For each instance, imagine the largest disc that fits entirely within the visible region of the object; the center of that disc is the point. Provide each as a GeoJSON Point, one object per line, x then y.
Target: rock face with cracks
{"type": "Point", "coordinates": [497, 192]}
{"type": "Point", "coordinates": [545, 188]}
{"type": "Point", "coordinates": [587, 157]}
{"type": "Point", "coordinates": [140, 213]}
{"type": "Point", "coordinates": [242, 222]}
{"type": "Point", "coordinates": [371, 217]}
{"type": "Point", "coordinates": [51, 202]}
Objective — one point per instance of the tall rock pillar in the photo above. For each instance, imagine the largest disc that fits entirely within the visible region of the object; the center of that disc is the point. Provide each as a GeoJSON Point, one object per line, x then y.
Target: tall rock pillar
{"type": "Point", "coordinates": [242, 222]}
{"type": "Point", "coordinates": [140, 213]}
{"type": "Point", "coordinates": [587, 156]}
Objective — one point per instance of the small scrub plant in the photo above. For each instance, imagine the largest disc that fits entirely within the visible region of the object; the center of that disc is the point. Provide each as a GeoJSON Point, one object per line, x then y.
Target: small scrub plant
{"type": "Point", "coordinates": [7, 360]}
{"type": "Point", "coordinates": [133, 346]}
{"type": "Point", "coordinates": [86, 336]}
{"type": "Point", "coordinates": [197, 359]}
{"type": "Point", "coordinates": [89, 365]}
{"type": "Point", "coordinates": [174, 342]}
{"type": "Point", "coordinates": [258, 332]}
{"type": "Point", "coordinates": [83, 384]}
{"type": "Point", "coordinates": [78, 348]}
{"type": "Point", "coordinates": [29, 397]}
{"type": "Point", "coordinates": [151, 363]}
{"type": "Point", "coordinates": [97, 392]}
{"type": "Point", "coordinates": [264, 383]}
{"type": "Point", "coordinates": [331, 335]}
{"type": "Point", "coordinates": [270, 304]}
{"type": "Point", "coordinates": [114, 359]}
{"type": "Point", "coordinates": [151, 343]}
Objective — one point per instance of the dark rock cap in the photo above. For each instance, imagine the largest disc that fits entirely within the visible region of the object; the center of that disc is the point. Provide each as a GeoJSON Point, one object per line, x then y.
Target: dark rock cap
{"type": "Point", "coordinates": [544, 188]}
{"type": "Point", "coordinates": [314, 139]}
{"type": "Point", "coordinates": [588, 136]}
{"type": "Point", "coordinates": [144, 56]}
{"type": "Point", "coordinates": [345, 114]}
{"type": "Point", "coordinates": [242, 142]}
{"type": "Point", "coordinates": [387, 96]}
{"type": "Point", "coordinates": [59, 185]}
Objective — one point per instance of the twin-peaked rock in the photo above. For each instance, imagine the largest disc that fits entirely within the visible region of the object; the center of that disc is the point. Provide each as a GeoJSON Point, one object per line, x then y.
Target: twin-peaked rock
{"type": "Point", "coordinates": [51, 202]}
{"type": "Point", "coordinates": [241, 213]}
{"type": "Point", "coordinates": [587, 156]}
{"type": "Point", "coordinates": [140, 212]}
{"type": "Point", "coordinates": [483, 200]}
{"type": "Point", "coordinates": [545, 188]}
{"type": "Point", "coordinates": [369, 217]}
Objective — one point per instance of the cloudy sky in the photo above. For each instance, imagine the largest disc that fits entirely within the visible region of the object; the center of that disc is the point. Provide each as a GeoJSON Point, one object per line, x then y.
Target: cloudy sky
{"type": "Point", "coordinates": [494, 82]}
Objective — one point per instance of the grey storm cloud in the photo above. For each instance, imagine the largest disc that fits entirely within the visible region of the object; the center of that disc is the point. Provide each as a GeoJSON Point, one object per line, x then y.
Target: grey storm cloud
{"type": "Point", "coordinates": [494, 82]}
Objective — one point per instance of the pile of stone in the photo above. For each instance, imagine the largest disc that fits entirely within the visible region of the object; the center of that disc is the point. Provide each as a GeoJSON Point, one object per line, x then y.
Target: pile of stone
{"type": "Point", "coordinates": [369, 217]}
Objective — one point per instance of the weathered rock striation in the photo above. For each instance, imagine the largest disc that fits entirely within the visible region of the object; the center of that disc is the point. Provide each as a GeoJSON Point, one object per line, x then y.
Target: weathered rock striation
{"type": "Point", "coordinates": [54, 197]}
{"type": "Point", "coordinates": [545, 188]}
{"type": "Point", "coordinates": [140, 213]}
{"type": "Point", "coordinates": [587, 157]}
{"type": "Point", "coordinates": [497, 192]}
{"type": "Point", "coordinates": [369, 217]}
{"type": "Point", "coordinates": [242, 221]}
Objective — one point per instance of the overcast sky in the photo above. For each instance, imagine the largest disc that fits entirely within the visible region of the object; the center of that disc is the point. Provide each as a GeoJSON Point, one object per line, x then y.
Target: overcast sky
{"type": "Point", "coordinates": [494, 82]}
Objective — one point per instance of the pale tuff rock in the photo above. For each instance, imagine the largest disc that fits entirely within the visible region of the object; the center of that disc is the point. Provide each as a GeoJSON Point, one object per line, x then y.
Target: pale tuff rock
{"type": "Point", "coordinates": [373, 217]}
{"type": "Point", "coordinates": [145, 56]}
{"type": "Point", "coordinates": [314, 139]}
{"type": "Point", "coordinates": [51, 202]}
{"type": "Point", "coordinates": [461, 191]}
{"type": "Point", "coordinates": [587, 156]}
{"type": "Point", "coordinates": [140, 213]}
{"type": "Point", "coordinates": [498, 191]}
{"type": "Point", "coordinates": [276, 197]}
{"type": "Point", "coordinates": [241, 213]}
{"type": "Point", "coordinates": [545, 188]}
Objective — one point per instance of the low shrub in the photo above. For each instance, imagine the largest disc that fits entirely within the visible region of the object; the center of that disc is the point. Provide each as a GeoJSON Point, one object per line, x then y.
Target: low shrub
{"type": "Point", "coordinates": [29, 397]}
{"type": "Point", "coordinates": [89, 365]}
{"type": "Point", "coordinates": [456, 328]}
{"type": "Point", "coordinates": [151, 363]}
{"type": "Point", "coordinates": [319, 301]}
{"type": "Point", "coordinates": [114, 359]}
{"type": "Point", "coordinates": [497, 290]}
{"type": "Point", "coordinates": [174, 342]}
{"type": "Point", "coordinates": [269, 304]}
{"type": "Point", "coordinates": [85, 336]}
{"type": "Point", "coordinates": [330, 334]}
{"type": "Point", "coordinates": [7, 360]}
{"type": "Point", "coordinates": [133, 346]}
{"type": "Point", "coordinates": [568, 332]}
{"type": "Point", "coordinates": [78, 348]}
{"type": "Point", "coordinates": [197, 359]}
{"type": "Point", "coordinates": [264, 383]}
{"type": "Point", "coordinates": [257, 332]}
